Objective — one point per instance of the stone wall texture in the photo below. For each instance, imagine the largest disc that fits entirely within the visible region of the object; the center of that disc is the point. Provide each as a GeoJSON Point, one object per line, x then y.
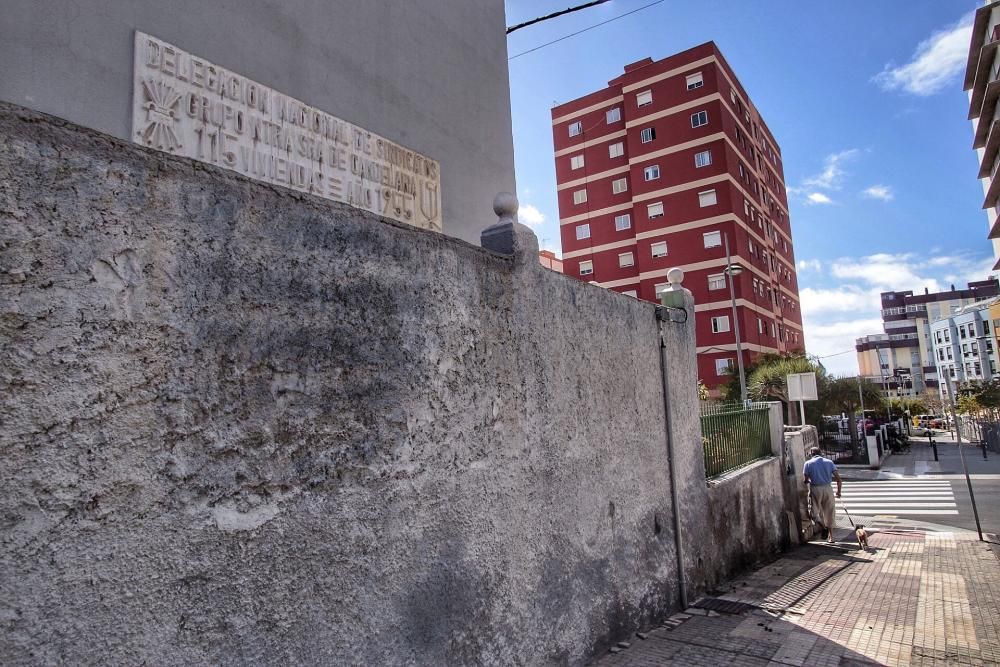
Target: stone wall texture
{"type": "Point", "coordinates": [242, 425]}
{"type": "Point", "coordinates": [239, 425]}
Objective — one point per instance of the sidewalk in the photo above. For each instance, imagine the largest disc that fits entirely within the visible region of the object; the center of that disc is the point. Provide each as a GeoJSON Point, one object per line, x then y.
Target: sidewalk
{"type": "Point", "coordinates": [919, 598]}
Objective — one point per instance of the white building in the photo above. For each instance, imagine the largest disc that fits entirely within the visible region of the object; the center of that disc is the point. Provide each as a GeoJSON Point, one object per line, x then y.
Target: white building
{"type": "Point", "coordinates": [963, 345]}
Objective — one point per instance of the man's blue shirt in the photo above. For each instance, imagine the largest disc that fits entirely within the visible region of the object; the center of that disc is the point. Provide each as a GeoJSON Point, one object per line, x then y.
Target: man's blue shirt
{"type": "Point", "coordinates": [819, 470]}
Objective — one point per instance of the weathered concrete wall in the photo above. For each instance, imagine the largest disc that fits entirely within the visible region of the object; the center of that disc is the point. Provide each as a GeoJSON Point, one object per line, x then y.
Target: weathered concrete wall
{"type": "Point", "coordinates": [246, 426]}
{"type": "Point", "coordinates": [431, 75]}
{"type": "Point", "coordinates": [746, 520]}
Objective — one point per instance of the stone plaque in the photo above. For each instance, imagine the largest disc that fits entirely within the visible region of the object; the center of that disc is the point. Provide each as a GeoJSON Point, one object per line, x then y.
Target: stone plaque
{"type": "Point", "coordinates": [185, 105]}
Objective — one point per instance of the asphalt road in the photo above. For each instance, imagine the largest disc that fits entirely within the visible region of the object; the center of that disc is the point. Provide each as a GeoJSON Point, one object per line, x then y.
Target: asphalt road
{"type": "Point", "coordinates": [915, 487]}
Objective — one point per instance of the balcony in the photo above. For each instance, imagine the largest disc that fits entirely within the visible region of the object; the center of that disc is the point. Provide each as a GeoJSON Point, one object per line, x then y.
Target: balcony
{"type": "Point", "coordinates": [979, 26]}
{"type": "Point", "coordinates": [992, 194]}
{"type": "Point", "coordinates": [983, 100]}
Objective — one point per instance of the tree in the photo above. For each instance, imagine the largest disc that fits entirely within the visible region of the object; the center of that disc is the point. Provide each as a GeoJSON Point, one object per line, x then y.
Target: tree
{"type": "Point", "coordinates": [768, 381]}
{"type": "Point", "coordinates": [842, 395]}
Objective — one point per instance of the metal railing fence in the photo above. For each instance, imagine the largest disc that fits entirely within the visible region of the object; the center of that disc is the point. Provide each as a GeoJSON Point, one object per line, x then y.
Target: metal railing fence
{"type": "Point", "coordinates": [734, 435]}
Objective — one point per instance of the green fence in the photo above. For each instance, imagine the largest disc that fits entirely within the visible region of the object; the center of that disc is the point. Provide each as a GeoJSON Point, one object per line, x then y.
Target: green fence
{"type": "Point", "coordinates": [734, 436]}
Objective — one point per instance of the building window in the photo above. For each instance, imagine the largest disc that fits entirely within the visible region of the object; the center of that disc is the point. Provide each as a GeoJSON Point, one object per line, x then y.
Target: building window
{"type": "Point", "coordinates": [723, 366]}
{"type": "Point", "coordinates": [632, 293]}
{"type": "Point", "coordinates": [619, 185]}
{"type": "Point", "coordinates": [644, 98]}
{"type": "Point", "coordinates": [651, 173]}
{"type": "Point", "coordinates": [707, 198]}
{"type": "Point", "coordinates": [623, 222]}
{"type": "Point", "coordinates": [576, 162]}
{"type": "Point", "coordinates": [659, 249]}
{"type": "Point", "coordinates": [702, 159]}
{"type": "Point", "coordinates": [699, 119]}
{"type": "Point", "coordinates": [580, 196]}
{"type": "Point", "coordinates": [575, 128]}
{"type": "Point", "coordinates": [732, 96]}
{"type": "Point", "coordinates": [583, 232]}
{"type": "Point", "coordinates": [660, 289]}
{"type": "Point", "coordinates": [616, 150]}
{"type": "Point", "coordinates": [712, 239]}
{"type": "Point", "coordinates": [614, 115]}
{"type": "Point", "coordinates": [626, 259]}
{"type": "Point", "coordinates": [655, 210]}
{"type": "Point", "coordinates": [586, 267]}
{"type": "Point", "coordinates": [694, 81]}
{"type": "Point", "coordinates": [720, 324]}
{"type": "Point", "coordinates": [718, 281]}
{"type": "Point", "coordinates": [647, 135]}
{"type": "Point", "coordinates": [760, 326]}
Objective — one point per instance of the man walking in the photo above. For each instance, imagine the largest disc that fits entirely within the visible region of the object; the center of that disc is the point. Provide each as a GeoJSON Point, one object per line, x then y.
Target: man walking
{"type": "Point", "coordinates": [818, 473]}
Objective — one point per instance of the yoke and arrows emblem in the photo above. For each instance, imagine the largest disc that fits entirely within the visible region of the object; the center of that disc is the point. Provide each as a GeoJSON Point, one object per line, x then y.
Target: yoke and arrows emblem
{"type": "Point", "coordinates": [161, 115]}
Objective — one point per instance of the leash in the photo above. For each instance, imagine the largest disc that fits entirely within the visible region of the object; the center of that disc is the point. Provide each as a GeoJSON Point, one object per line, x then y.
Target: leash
{"type": "Point", "coordinates": [847, 513]}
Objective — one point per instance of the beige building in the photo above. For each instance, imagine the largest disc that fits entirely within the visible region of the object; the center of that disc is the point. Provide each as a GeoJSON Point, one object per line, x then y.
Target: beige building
{"type": "Point", "coordinates": [901, 359]}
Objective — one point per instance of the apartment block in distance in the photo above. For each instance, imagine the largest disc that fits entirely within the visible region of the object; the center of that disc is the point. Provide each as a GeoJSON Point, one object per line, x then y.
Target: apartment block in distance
{"type": "Point", "coordinates": [903, 359]}
{"type": "Point", "coordinates": [982, 82]}
{"type": "Point", "coordinates": [660, 169]}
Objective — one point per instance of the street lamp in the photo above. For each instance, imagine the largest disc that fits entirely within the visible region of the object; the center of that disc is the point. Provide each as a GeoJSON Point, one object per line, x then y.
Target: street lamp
{"type": "Point", "coordinates": [730, 271]}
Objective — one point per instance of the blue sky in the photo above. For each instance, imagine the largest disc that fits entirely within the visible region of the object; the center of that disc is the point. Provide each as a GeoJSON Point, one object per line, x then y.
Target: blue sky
{"type": "Point", "coordinates": [865, 100]}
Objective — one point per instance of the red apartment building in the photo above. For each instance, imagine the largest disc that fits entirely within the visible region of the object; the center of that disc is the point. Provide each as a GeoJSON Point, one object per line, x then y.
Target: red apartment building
{"type": "Point", "coordinates": [658, 170]}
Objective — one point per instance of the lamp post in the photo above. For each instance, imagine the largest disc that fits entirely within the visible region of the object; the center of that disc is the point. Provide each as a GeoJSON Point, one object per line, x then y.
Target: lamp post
{"type": "Point", "coordinates": [730, 271]}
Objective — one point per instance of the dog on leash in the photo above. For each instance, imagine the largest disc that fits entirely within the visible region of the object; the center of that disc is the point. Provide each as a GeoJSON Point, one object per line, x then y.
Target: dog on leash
{"type": "Point", "coordinates": [862, 535]}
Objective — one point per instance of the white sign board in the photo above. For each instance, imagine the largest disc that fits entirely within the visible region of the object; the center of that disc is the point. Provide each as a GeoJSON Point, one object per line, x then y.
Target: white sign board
{"type": "Point", "coordinates": [185, 105]}
{"type": "Point", "coordinates": [802, 387]}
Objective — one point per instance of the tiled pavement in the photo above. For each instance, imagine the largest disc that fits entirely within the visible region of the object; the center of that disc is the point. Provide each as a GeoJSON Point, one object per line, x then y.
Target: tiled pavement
{"type": "Point", "coordinates": [917, 598]}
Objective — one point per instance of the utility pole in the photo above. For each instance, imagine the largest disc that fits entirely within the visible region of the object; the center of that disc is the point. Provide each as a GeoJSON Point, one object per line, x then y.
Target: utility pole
{"type": "Point", "coordinates": [735, 270]}
{"type": "Point", "coordinates": [965, 468]}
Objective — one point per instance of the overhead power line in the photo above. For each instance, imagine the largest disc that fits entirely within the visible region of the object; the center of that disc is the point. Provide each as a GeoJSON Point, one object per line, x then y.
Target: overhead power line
{"type": "Point", "coordinates": [596, 25]}
{"type": "Point", "coordinates": [553, 15]}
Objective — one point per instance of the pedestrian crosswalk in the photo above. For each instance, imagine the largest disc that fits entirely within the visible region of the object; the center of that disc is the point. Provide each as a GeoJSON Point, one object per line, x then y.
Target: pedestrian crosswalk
{"type": "Point", "coordinates": [899, 496]}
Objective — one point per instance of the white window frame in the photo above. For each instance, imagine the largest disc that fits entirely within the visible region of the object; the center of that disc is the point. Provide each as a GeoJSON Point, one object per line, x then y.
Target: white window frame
{"type": "Point", "coordinates": [613, 115]}
{"type": "Point", "coordinates": [694, 81]}
{"type": "Point", "coordinates": [587, 267]}
{"type": "Point", "coordinates": [702, 159]}
{"type": "Point", "coordinates": [616, 149]}
{"type": "Point", "coordinates": [715, 237]}
{"type": "Point", "coordinates": [623, 222]}
{"type": "Point", "coordinates": [580, 196]}
{"type": "Point", "coordinates": [576, 161]}
{"type": "Point", "coordinates": [707, 198]}
{"type": "Point", "coordinates": [647, 134]}
{"type": "Point", "coordinates": [651, 173]}
{"type": "Point", "coordinates": [728, 367]}
{"type": "Point", "coordinates": [583, 231]}
{"type": "Point", "coordinates": [644, 99]}
{"type": "Point", "coordinates": [720, 321]}
{"type": "Point", "coordinates": [699, 118]}
{"type": "Point", "coordinates": [655, 246]}
{"type": "Point", "coordinates": [660, 289]}
{"type": "Point", "coordinates": [626, 259]}
{"type": "Point", "coordinates": [619, 185]}
{"type": "Point", "coordinates": [654, 210]}
{"type": "Point", "coordinates": [717, 281]}
{"type": "Point", "coordinates": [575, 128]}
{"type": "Point", "coordinates": [632, 293]}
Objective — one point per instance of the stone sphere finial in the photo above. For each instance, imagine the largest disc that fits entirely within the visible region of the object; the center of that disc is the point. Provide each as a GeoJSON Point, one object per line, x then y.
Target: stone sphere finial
{"type": "Point", "coordinates": [505, 206]}
{"type": "Point", "coordinates": [675, 277]}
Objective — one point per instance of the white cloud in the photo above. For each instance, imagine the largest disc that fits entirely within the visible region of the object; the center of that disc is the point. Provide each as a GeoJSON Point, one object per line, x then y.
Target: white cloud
{"type": "Point", "coordinates": [833, 171]}
{"type": "Point", "coordinates": [839, 299]}
{"type": "Point", "coordinates": [813, 264]}
{"type": "Point", "coordinates": [883, 192]}
{"type": "Point", "coordinates": [530, 216]}
{"type": "Point", "coordinates": [937, 60]}
{"type": "Point", "coordinates": [887, 271]}
{"type": "Point", "coordinates": [834, 342]}
{"type": "Point", "coordinates": [818, 198]}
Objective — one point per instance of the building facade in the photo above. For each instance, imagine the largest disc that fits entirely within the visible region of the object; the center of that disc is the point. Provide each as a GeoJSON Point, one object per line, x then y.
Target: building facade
{"type": "Point", "coordinates": [982, 82]}
{"type": "Point", "coordinates": [902, 359]}
{"type": "Point", "coordinates": [549, 260]}
{"type": "Point", "coordinates": [666, 167]}
{"type": "Point", "coordinates": [964, 348]}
